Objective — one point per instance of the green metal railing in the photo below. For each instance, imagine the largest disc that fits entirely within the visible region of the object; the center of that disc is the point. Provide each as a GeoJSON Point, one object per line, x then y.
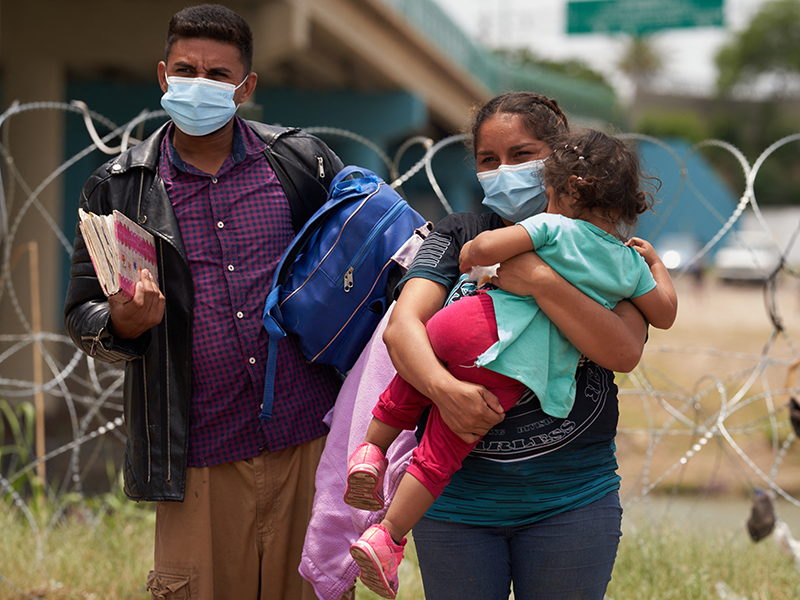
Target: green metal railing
{"type": "Point", "coordinates": [428, 17]}
{"type": "Point", "coordinates": [580, 98]}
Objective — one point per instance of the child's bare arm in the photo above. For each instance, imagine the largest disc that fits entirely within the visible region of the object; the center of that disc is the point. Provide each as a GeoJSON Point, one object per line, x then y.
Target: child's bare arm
{"type": "Point", "coordinates": [495, 246]}
{"type": "Point", "coordinates": [660, 305]}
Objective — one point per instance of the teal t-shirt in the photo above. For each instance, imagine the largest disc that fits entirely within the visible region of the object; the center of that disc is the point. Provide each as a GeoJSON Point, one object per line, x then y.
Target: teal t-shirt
{"type": "Point", "coordinates": [531, 349]}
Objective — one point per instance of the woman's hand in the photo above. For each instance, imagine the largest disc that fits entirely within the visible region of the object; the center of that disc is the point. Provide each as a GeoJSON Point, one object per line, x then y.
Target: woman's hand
{"type": "Point", "coordinates": [469, 410]}
{"type": "Point", "coordinates": [522, 274]}
{"type": "Point", "coordinates": [612, 339]}
{"type": "Point", "coordinates": [465, 263]}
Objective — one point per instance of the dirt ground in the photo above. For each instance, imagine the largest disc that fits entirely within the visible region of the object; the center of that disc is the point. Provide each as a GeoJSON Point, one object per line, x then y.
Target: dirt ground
{"type": "Point", "coordinates": [706, 364]}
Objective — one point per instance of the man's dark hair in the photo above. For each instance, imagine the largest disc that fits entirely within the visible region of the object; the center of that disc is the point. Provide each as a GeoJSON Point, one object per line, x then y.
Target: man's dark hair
{"type": "Point", "coordinates": [212, 22]}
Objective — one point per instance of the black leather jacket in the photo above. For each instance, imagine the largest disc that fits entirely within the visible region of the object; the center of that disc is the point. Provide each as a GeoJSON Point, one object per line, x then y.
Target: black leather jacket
{"type": "Point", "coordinates": [158, 365]}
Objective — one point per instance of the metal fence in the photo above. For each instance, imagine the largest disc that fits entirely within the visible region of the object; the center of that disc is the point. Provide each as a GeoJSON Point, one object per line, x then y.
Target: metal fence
{"type": "Point", "coordinates": [737, 414]}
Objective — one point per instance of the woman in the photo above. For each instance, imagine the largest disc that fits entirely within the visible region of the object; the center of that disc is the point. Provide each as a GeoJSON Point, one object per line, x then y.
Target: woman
{"type": "Point", "coordinates": [536, 504]}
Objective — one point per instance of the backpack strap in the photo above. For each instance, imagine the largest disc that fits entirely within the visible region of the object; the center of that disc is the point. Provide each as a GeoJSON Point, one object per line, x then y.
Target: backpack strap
{"type": "Point", "coordinates": [276, 333]}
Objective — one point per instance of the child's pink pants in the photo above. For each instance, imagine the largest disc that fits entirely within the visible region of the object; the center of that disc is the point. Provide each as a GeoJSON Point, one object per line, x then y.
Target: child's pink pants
{"type": "Point", "coordinates": [459, 333]}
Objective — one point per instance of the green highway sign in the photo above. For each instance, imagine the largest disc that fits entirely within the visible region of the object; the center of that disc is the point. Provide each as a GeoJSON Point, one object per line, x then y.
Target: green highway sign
{"type": "Point", "coordinates": [640, 17]}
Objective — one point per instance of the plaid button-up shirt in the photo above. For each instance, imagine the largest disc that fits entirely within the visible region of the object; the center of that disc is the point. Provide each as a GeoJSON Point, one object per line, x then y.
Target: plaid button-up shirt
{"type": "Point", "coordinates": [235, 225]}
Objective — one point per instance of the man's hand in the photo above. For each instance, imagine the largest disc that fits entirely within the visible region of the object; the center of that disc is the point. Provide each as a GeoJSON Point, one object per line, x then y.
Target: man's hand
{"type": "Point", "coordinates": [130, 319]}
{"type": "Point", "coordinates": [469, 410]}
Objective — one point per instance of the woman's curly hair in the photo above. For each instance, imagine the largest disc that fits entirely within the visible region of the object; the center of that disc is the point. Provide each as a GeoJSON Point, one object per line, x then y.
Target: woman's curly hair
{"type": "Point", "coordinates": [609, 182]}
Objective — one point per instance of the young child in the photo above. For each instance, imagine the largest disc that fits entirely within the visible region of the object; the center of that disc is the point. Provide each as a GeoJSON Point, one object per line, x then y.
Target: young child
{"type": "Point", "coordinates": [505, 342]}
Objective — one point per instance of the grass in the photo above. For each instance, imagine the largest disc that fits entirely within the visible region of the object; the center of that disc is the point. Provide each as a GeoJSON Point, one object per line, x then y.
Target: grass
{"type": "Point", "coordinates": [109, 560]}
{"type": "Point", "coordinates": [667, 564]}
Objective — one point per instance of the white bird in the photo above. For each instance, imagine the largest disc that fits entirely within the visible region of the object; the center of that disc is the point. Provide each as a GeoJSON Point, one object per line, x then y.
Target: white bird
{"type": "Point", "coordinates": [726, 593]}
{"type": "Point", "coordinates": [785, 541]}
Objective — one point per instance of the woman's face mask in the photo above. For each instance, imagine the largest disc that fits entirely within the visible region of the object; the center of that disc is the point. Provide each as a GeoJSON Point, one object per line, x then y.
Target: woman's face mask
{"type": "Point", "coordinates": [515, 192]}
{"type": "Point", "coordinates": [199, 106]}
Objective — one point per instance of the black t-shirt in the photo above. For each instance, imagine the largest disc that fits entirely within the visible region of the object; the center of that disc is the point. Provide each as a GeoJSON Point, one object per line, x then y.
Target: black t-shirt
{"type": "Point", "coordinates": [437, 258]}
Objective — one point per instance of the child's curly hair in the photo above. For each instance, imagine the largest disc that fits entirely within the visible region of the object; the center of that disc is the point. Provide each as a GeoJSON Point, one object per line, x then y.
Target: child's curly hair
{"type": "Point", "coordinates": [608, 175]}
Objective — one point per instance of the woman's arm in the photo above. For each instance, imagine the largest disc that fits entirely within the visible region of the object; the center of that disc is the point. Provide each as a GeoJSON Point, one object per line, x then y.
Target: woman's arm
{"type": "Point", "coordinates": [613, 339]}
{"type": "Point", "coordinates": [658, 307]}
{"type": "Point", "coordinates": [468, 409]}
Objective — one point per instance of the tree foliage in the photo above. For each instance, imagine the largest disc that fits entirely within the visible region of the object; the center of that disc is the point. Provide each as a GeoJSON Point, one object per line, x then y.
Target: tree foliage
{"type": "Point", "coordinates": [770, 44]}
{"type": "Point", "coordinates": [573, 68]}
{"type": "Point", "coordinates": [641, 60]}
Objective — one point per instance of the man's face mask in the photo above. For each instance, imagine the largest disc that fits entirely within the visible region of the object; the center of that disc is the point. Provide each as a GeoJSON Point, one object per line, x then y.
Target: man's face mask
{"type": "Point", "coordinates": [199, 106]}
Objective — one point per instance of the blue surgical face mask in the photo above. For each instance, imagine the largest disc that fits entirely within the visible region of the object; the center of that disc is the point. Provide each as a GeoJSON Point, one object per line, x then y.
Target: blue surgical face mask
{"type": "Point", "coordinates": [199, 106]}
{"type": "Point", "coordinates": [515, 192]}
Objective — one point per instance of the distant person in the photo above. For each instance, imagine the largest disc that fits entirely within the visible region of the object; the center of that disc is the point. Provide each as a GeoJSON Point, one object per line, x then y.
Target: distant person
{"type": "Point", "coordinates": [223, 198]}
{"type": "Point", "coordinates": [503, 341]}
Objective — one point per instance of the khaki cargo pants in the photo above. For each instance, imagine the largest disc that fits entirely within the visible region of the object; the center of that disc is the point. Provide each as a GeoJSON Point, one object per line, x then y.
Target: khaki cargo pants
{"type": "Point", "coordinates": [239, 532]}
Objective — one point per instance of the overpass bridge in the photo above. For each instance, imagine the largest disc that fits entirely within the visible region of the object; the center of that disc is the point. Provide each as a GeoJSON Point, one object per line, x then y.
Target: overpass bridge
{"type": "Point", "coordinates": [384, 69]}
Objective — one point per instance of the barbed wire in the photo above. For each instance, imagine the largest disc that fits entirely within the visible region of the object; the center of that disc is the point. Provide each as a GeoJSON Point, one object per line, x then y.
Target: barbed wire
{"type": "Point", "coordinates": [720, 411]}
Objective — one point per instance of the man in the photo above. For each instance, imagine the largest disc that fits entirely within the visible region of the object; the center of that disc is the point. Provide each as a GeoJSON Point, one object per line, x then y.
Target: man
{"type": "Point", "coordinates": [223, 198]}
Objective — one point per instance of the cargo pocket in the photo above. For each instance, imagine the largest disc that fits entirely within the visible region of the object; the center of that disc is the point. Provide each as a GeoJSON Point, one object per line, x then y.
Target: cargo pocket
{"type": "Point", "coordinates": [168, 586]}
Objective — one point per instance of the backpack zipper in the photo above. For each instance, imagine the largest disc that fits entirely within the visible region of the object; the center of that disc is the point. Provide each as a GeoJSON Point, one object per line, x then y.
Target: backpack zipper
{"type": "Point", "coordinates": [320, 168]}
{"type": "Point", "coordinates": [353, 314]}
{"type": "Point", "coordinates": [346, 280]}
{"type": "Point", "coordinates": [331, 249]}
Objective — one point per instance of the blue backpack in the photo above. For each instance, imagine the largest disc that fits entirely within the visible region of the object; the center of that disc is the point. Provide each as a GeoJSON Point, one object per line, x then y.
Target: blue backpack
{"type": "Point", "coordinates": [329, 287]}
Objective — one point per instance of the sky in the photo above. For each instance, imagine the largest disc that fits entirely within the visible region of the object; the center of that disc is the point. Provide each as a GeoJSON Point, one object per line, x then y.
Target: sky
{"type": "Point", "coordinates": [688, 54]}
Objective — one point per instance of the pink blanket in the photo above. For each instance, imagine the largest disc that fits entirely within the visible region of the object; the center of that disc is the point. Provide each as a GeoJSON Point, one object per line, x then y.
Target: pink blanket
{"type": "Point", "coordinates": [334, 526]}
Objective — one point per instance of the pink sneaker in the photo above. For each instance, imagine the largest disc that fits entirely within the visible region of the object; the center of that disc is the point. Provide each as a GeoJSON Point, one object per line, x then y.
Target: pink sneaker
{"type": "Point", "coordinates": [365, 471]}
{"type": "Point", "coordinates": [378, 557]}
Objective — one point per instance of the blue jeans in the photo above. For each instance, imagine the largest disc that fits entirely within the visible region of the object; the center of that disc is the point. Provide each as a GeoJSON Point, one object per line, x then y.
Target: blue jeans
{"type": "Point", "coordinates": [566, 557]}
